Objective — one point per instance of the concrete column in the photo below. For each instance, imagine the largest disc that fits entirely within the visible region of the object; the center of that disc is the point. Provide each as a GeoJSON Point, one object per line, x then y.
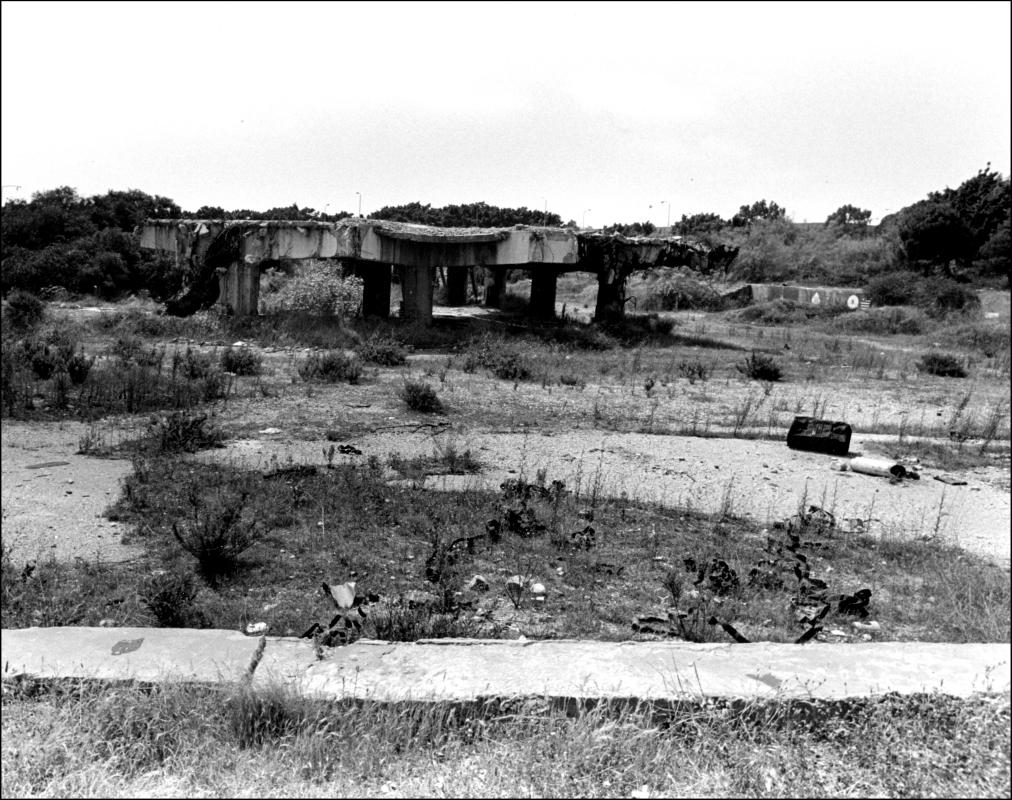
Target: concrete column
{"type": "Point", "coordinates": [456, 286]}
{"type": "Point", "coordinates": [610, 295]}
{"type": "Point", "coordinates": [239, 288]}
{"type": "Point", "coordinates": [416, 288]}
{"type": "Point", "coordinates": [376, 290]}
{"type": "Point", "coordinates": [495, 286]}
{"type": "Point", "coordinates": [543, 281]}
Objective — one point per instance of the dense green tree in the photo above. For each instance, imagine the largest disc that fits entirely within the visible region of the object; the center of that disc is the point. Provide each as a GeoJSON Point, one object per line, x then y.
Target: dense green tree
{"type": "Point", "coordinates": [849, 220]}
{"type": "Point", "coordinates": [699, 224]}
{"type": "Point", "coordinates": [469, 215]}
{"type": "Point", "coordinates": [934, 236]}
{"type": "Point", "coordinates": [759, 211]}
{"type": "Point", "coordinates": [635, 229]}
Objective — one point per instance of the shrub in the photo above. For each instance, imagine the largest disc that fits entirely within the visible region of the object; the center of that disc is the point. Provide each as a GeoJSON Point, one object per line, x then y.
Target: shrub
{"type": "Point", "coordinates": [78, 368]}
{"type": "Point", "coordinates": [384, 352]}
{"type": "Point", "coordinates": [760, 367]}
{"type": "Point", "coordinates": [24, 310]}
{"type": "Point", "coordinates": [332, 366]}
{"type": "Point", "coordinates": [192, 365]}
{"type": "Point", "coordinates": [694, 370]}
{"type": "Point", "coordinates": [893, 288]}
{"type": "Point", "coordinates": [171, 599]}
{"type": "Point", "coordinates": [419, 396]}
{"type": "Point", "coordinates": [183, 432]}
{"type": "Point", "coordinates": [497, 356]}
{"type": "Point", "coordinates": [242, 361]}
{"type": "Point", "coordinates": [943, 364]}
{"type": "Point", "coordinates": [218, 535]}
{"type": "Point", "coordinates": [316, 287]}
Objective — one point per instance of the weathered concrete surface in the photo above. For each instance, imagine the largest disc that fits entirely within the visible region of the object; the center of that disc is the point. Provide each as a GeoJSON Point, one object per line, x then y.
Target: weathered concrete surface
{"type": "Point", "coordinates": [145, 654]}
{"type": "Point", "coordinates": [463, 669]}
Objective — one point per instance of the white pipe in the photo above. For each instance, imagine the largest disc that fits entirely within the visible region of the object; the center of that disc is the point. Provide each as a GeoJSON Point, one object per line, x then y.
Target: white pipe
{"type": "Point", "coordinates": [877, 466]}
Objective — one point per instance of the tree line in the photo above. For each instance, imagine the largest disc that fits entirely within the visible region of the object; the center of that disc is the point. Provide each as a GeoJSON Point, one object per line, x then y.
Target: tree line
{"type": "Point", "coordinates": [59, 239]}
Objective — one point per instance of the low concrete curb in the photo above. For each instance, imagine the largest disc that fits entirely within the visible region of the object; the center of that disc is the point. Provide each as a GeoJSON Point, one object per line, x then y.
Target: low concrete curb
{"type": "Point", "coordinates": [469, 669]}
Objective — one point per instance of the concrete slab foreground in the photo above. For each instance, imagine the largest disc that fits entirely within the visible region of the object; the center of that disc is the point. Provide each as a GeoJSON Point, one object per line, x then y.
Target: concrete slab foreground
{"type": "Point", "coordinates": [144, 654]}
{"type": "Point", "coordinates": [458, 670]}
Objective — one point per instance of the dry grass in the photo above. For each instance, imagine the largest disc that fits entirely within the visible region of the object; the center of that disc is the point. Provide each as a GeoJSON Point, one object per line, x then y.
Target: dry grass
{"type": "Point", "coordinates": [174, 740]}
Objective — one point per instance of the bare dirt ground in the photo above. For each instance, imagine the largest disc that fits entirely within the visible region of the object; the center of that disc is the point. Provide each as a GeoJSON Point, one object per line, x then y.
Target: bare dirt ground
{"type": "Point", "coordinates": [56, 511]}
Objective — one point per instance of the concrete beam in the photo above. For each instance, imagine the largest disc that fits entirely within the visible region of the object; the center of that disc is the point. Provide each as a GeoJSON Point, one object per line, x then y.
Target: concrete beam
{"type": "Point", "coordinates": [441, 670]}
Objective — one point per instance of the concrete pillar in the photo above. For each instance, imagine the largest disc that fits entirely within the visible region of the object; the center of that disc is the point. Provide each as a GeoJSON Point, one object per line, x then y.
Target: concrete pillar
{"type": "Point", "coordinates": [610, 295]}
{"type": "Point", "coordinates": [543, 292]}
{"type": "Point", "coordinates": [416, 288]}
{"type": "Point", "coordinates": [495, 286]}
{"type": "Point", "coordinates": [239, 288]}
{"type": "Point", "coordinates": [456, 286]}
{"type": "Point", "coordinates": [376, 290]}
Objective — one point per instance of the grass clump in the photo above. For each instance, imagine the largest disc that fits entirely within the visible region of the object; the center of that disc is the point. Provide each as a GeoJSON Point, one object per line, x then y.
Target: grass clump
{"type": "Point", "coordinates": [242, 361]}
{"type": "Point", "coordinates": [889, 320]}
{"type": "Point", "coordinates": [220, 531]}
{"type": "Point", "coordinates": [945, 365]}
{"type": "Point", "coordinates": [171, 598]}
{"type": "Point", "coordinates": [760, 367]}
{"type": "Point", "coordinates": [419, 396]}
{"type": "Point", "coordinates": [332, 367]}
{"type": "Point", "coordinates": [385, 352]}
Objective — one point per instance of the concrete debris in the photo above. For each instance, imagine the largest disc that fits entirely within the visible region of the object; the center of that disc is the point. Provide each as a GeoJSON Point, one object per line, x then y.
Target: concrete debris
{"type": "Point", "coordinates": [256, 628]}
{"type": "Point", "coordinates": [867, 626]}
{"type": "Point", "coordinates": [270, 431]}
{"type": "Point", "coordinates": [538, 590]}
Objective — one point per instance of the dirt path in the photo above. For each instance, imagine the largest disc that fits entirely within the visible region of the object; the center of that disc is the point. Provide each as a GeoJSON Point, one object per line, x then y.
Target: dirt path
{"type": "Point", "coordinates": [53, 500]}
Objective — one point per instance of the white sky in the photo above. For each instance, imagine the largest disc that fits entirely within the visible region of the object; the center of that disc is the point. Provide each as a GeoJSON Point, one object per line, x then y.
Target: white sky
{"type": "Point", "coordinates": [611, 107]}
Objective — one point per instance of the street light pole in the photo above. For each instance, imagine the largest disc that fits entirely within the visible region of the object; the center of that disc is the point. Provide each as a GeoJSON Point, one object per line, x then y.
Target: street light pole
{"type": "Point", "coordinates": [544, 219]}
{"type": "Point", "coordinates": [666, 203]}
{"type": "Point", "coordinates": [359, 203]}
{"type": "Point", "coordinates": [585, 217]}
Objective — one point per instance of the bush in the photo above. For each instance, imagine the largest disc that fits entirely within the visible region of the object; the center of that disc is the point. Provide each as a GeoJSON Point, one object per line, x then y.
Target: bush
{"type": "Point", "coordinates": [316, 287]}
{"type": "Point", "coordinates": [943, 364]}
{"type": "Point", "coordinates": [218, 535]}
{"type": "Point", "coordinates": [420, 396]}
{"type": "Point", "coordinates": [171, 599]}
{"type": "Point", "coordinates": [182, 432]}
{"type": "Point", "coordinates": [893, 289]}
{"type": "Point", "coordinates": [78, 368]}
{"type": "Point", "coordinates": [332, 367]}
{"type": "Point", "coordinates": [385, 352]}
{"type": "Point", "coordinates": [759, 367]}
{"type": "Point", "coordinates": [497, 356]}
{"type": "Point", "coordinates": [694, 370]}
{"type": "Point", "coordinates": [242, 361]}
{"type": "Point", "coordinates": [24, 310]}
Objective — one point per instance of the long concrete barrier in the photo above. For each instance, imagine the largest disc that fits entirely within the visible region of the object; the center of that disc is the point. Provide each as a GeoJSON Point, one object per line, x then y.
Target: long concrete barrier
{"type": "Point", "coordinates": [470, 669]}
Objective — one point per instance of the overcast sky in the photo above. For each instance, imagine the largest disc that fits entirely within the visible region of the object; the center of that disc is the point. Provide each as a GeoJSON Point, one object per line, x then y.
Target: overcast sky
{"type": "Point", "coordinates": [600, 110]}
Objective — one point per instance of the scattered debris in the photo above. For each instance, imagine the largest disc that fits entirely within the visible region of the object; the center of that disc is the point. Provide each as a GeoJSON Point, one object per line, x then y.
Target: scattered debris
{"type": "Point", "coordinates": [256, 628]}
{"type": "Point", "coordinates": [952, 480]}
{"type": "Point", "coordinates": [47, 464]}
{"type": "Point", "coordinates": [882, 467]}
{"type": "Point", "coordinates": [270, 431]}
